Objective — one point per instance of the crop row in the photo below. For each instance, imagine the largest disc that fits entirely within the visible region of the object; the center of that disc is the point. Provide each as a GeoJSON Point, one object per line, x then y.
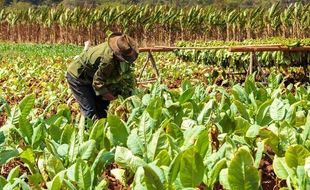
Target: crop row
{"type": "Point", "coordinates": [166, 139]}
{"type": "Point", "coordinates": [240, 60]}
{"type": "Point", "coordinates": [153, 24]}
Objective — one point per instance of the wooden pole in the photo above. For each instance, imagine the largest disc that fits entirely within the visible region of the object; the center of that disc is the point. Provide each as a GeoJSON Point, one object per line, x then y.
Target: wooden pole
{"type": "Point", "coordinates": [247, 48]}
{"type": "Point", "coordinates": [260, 49]}
{"type": "Point", "coordinates": [252, 62]}
{"type": "Point", "coordinates": [144, 66]}
{"type": "Point", "coordinates": [153, 64]}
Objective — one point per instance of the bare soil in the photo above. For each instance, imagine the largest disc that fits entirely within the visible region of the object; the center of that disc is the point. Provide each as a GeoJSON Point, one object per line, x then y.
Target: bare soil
{"type": "Point", "coordinates": [6, 168]}
{"type": "Point", "coordinates": [114, 184]}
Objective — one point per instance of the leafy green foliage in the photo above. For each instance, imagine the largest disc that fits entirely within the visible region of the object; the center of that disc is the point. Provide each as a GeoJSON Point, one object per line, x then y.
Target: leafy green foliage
{"type": "Point", "coordinates": [160, 138]}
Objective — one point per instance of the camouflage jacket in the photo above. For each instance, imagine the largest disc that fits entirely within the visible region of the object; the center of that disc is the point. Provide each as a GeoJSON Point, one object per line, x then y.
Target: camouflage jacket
{"type": "Point", "coordinates": [97, 67]}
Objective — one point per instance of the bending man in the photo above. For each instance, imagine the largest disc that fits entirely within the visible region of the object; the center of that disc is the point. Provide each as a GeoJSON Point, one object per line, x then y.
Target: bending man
{"type": "Point", "coordinates": [95, 76]}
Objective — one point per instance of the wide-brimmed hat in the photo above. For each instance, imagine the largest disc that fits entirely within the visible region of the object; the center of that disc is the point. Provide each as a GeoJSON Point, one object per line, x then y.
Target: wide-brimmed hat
{"type": "Point", "coordinates": [124, 47]}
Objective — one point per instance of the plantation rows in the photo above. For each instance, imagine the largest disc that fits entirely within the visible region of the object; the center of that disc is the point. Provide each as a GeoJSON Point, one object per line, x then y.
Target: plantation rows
{"type": "Point", "coordinates": [239, 60]}
{"type": "Point", "coordinates": [153, 24]}
{"type": "Point", "coordinates": [244, 136]}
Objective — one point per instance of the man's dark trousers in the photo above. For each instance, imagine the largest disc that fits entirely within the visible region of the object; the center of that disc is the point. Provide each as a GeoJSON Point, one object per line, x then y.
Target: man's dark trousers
{"type": "Point", "coordinates": [91, 105]}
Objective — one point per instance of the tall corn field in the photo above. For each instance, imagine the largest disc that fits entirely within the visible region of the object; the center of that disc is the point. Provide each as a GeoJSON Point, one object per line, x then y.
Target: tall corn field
{"type": "Point", "coordinates": [153, 24]}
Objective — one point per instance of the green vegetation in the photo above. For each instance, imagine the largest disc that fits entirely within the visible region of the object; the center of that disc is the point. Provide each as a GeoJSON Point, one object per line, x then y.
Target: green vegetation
{"type": "Point", "coordinates": [240, 60]}
{"type": "Point", "coordinates": [217, 3]}
{"type": "Point", "coordinates": [160, 138]}
{"type": "Point", "coordinates": [153, 24]}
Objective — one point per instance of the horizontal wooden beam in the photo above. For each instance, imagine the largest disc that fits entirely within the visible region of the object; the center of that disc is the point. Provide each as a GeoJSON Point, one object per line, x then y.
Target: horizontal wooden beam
{"type": "Point", "coordinates": [247, 48]}
{"type": "Point", "coordinates": [266, 48]}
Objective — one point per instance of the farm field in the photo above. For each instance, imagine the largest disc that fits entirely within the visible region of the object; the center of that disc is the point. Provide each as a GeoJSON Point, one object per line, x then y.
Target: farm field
{"type": "Point", "coordinates": [153, 24]}
{"type": "Point", "coordinates": [200, 128]}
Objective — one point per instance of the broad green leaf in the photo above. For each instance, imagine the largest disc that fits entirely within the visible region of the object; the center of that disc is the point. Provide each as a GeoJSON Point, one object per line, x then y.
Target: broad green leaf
{"type": "Point", "coordinates": [38, 136]}
{"type": "Point", "coordinates": [186, 84]}
{"type": "Point", "coordinates": [134, 143]}
{"type": "Point", "coordinates": [67, 134]}
{"type": "Point", "coordinates": [84, 175]}
{"type": "Point", "coordinates": [306, 132]}
{"type": "Point", "coordinates": [125, 158]}
{"type": "Point", "coordinates": [5, 155]}
{"type": "Point", "coordinates": [202, 144]}
{"type": "Point", "coordinates": [281, 169]}
{"type": "Point", "coordinates": [263, 115]}
{"type": "Point", "coordinates": [87, 149]}
{"type": "Point", "coordinates": [102, 160]}
{"type": "Point", "coordinates": [154, 108]}
{"type": "Point", "coordinates": [277, 110]}
{"type": "Point", "coordinates": [81, 174]}
{"type": "Point", "coordinates": [64, 110]}
{"type": "Point", "coordinates": [54, 166]}
{"type": "Point", "coordinates": [226, 124]}
{"type": "Point", "coordinates": [307, 166]}
{"type": "Point", "coordinates": [97, 131]}
{"type": "Point", "coordinates": [55, 132]}
{"type": "Point", "coordinates": [145, 128]}
{"type": "Point", "coordinates": [239, 93]}
{"type": "Point", "coordinates": [224, 178]}
{"type": "Point", "coordinates": [215, 172]}
{"type": "Point", "coordinates": [296, 155]}
{"type": "Point", "coordinates": [242, 110]}
{"type": "Point", "coordinates": [138, 182]}
{"type": "Point", "coordinates": [71, 172]}
{"type": "Point", "coordinates": [17, 184]}
{"type": "Point", "coordinates": [3, 182]}
{"type": "Point", "coordinates": [25, 129]}
{"type": "Point", "coordinates": [118, 130]}
{"type": "Point", "coordinates": [163, 158]}
{"type": "Point", "coordinates": [146, 99]}
{"type": "Point", "coordinates": [28, 155]}
{"type": "Point", "coordinates": [2, 137]}
{"type": "Point", "coordinates": [152, 147]}
{"type": "Point", "coordinates": [81, 129]}
{"type": "Point", "coordinates": [63, 150]}
{"type": "Point", "coordinates": [242, 125]}
{"type": "Point", "coordinates": [302, 178]}
{"type": "Point", "coordinates": [186, 95]}
{"type": "Point", "coordinates": [259, 154]}
{"type": "Point", "coordinates": [288, 135]}
{"type": "Point", "coordinates": [271, 140]}
{"type": "Point", "coordinates": [35, 179]}
{"type": "Point", "coordinates": [73, 148]}
{"type": "Point", "coordinates": [249, 85]}
{"type": "Point", "coordinates": [191, 135]}
{"type": "Point", "coordinates": [67, 184]}
{"type": "Point", "coordinates": [205, 114]}
{"type": "Point", "coordinates": [151, 178]}
{"type": "Point", "coordinates": [51, 146]}
{"type": "Point", "coordinates": [191, 168]}
{"type": "Point", "coordinates": [26, 105]}
{"type": "Point", "coordinates": [102, 185]}
{"type": "Point", "coordinates": [253, 131]}
{"type": "Point", "coordinates": [56, 183]}
{"type": "Point", "coordinates": [14, 116]}
{"type": "Point", "coordinates": [242, 175]}
{"type": "Point", "coordinates": [14, 173]}
{"type": "Point", "coordinates": [174, 168]}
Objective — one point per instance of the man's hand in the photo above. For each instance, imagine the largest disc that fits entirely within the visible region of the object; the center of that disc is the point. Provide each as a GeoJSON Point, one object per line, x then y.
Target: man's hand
{"type": "Point", "coordinates": [108, 96]}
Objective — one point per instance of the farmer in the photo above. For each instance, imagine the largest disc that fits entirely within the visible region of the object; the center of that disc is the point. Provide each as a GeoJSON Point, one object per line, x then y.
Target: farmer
{"type": "Point", "coordinates": [93, 73]}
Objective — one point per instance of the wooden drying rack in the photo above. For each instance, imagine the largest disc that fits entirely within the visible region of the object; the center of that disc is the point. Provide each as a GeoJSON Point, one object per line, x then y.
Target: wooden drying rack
{"type": "Point", "coordinates": [252, 49]}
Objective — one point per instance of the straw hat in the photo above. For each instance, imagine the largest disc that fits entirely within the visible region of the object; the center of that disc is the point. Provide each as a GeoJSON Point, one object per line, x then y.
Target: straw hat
{"type": "Point", "coordinates": [124, 47]}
